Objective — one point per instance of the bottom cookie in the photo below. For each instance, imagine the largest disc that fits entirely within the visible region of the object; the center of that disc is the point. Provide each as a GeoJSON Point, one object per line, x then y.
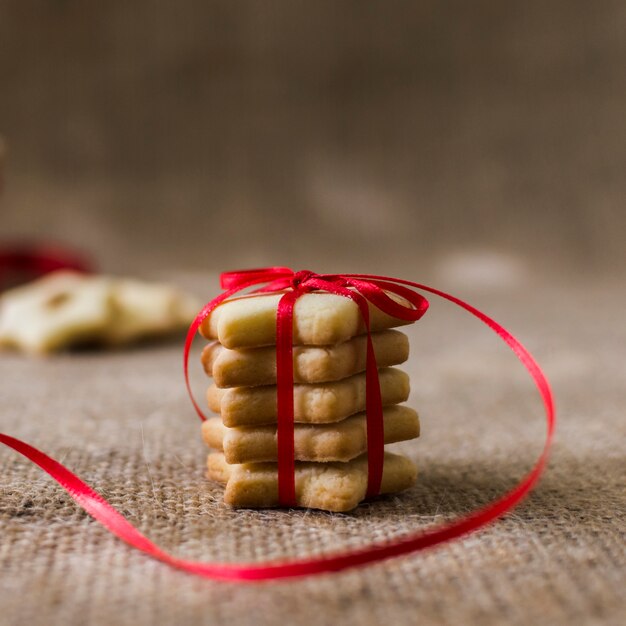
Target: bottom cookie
{"type": "Point", "coordinates": [336, 487]}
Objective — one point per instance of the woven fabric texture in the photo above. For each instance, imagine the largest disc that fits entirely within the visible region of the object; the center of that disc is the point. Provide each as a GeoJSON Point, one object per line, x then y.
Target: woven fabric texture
{"type": "Point", "coordinates": [121, 420]}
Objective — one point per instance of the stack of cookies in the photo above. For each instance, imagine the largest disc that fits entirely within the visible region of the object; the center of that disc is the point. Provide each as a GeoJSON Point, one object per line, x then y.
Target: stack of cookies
{"type": "Point", "coordinates": [330, 435]}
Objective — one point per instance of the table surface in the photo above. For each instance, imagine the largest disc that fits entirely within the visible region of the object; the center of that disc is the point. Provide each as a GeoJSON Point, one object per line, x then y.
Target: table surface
{"type": "Point", "coordinates": [122, 421]}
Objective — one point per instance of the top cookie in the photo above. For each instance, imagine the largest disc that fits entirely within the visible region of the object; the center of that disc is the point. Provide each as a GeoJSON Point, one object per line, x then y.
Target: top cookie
{"type": "Point", "coordinates": [319, 319]}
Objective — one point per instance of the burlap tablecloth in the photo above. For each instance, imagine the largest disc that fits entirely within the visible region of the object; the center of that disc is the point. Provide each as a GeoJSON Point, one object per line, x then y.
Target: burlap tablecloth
{"type": "Point", "coordinates": [122, 421]}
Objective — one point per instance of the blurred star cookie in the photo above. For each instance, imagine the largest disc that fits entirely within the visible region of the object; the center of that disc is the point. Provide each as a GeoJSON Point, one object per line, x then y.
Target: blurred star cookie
{"type": "Point", "coordinates": [144, 309]}
{"type": "Point", "coordinates": [59, 310]}
{"type": "Point", "coordinates": [65, 309]}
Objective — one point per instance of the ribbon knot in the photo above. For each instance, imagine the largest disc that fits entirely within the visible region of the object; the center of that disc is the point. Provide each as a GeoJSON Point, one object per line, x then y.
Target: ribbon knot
{"type": "Point", "coordinates": [300, 278]}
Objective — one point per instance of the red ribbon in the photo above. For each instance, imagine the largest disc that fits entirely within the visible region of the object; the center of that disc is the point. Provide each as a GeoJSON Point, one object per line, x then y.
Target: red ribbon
{"type": "Point", "coordinates": [282, 278]}
{"type": "Point", "coordinates": [19, 262]}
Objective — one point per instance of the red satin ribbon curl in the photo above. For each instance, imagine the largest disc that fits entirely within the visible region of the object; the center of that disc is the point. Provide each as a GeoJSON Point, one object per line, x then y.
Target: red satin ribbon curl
{"type": "Point", "coordinates": [370, 287]}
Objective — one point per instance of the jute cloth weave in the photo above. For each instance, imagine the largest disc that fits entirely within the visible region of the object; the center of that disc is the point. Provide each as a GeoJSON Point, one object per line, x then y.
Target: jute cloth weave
{"type": "Point", "coordinates": [121, 420]}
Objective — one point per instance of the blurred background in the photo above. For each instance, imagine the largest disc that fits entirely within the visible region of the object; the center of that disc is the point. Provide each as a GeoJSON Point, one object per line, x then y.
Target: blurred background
{"type": "Point", "coordinates": [482, 140]}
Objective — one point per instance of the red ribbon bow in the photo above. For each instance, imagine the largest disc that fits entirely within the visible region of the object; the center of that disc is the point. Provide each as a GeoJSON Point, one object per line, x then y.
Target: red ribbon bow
{"type": "Point", "coordinates": [295, 284]}
{"type": "Point", "coordinates": [102, 511]}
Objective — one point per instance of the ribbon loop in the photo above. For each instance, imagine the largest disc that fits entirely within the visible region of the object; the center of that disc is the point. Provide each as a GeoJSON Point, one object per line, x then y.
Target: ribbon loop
{"type": "Point", "coordinates": [334, 279]}
{"type": "Point", "coordinates": [235, 280]}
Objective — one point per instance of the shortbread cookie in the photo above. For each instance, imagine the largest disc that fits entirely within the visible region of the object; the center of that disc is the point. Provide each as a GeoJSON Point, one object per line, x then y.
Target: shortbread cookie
{"type": "Point", "coordinates": [65, 309]}
{"type": "Point", "coordinates": [342, 441]}
{"type": "Point", "coordinates": [311, 364]}
{"type": "Point", "coordinates": [319, 319]}
{"type": "Point", "coordinates": [318, 403]}
{"type": "Point", "coordinates": [61, 309]}
{"type": "Point", "coordinates": [143, 310]}
{"type": "Point", "coordinates": [337, 487]}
